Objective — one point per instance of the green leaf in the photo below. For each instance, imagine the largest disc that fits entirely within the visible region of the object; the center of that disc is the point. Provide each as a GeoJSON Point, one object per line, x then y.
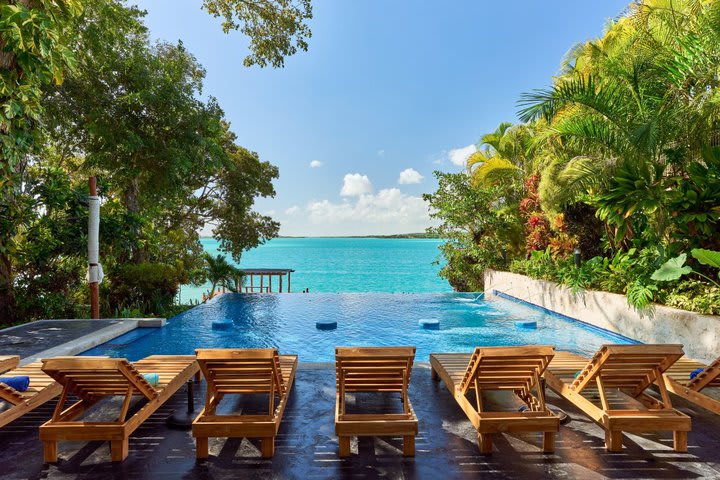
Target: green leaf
{"type": "Point", "coordinates": [707, 257]}
{"type": "Point", "coordinates": [672, 269]}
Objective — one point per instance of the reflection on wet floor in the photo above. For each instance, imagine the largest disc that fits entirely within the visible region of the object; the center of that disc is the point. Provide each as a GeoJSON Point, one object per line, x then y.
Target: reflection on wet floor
{"type": "Point", "coordinates": [306, 446]}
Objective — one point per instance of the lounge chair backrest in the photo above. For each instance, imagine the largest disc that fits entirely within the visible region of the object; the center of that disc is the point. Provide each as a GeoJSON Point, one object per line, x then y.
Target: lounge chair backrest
{"type": "Point", "coordinates": [373, 369]}
{"type": "Point", "coordinates": [250, 370]}
{"type": "Point", "coordinates": [708, 378]}
{"type": "Point", "coordinates": [10, 395]}
{"type": "Point", "coordinates": [92, 377]}
{"type": "Point", "coordinates": [628, 367]}
{"type": "Point", "coordinates": [506, 368]}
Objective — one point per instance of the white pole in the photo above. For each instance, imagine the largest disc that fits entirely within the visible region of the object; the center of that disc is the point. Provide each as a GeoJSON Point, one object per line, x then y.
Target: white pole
{"type": "Point", "coordinates": [94, 269]}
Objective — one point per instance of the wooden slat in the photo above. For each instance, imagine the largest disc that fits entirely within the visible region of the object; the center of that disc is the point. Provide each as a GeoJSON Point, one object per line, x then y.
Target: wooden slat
{"type": "Point", "coordinates": [705, 392]}
{"type": "Point", "coordinates": [8, 362]}
{"type": "Point", "coordinates": [500, 368]}
{"type": "Point", "coordinates": [173, 372]}
{"type": "Point", "coordinates": [621, 370]}
{"type": "Point", "coordinates": [238, 371]}
{"type": "Point", "coordinates": [41, 390]}
{"type": "Point", "coordinates": [374, 370]}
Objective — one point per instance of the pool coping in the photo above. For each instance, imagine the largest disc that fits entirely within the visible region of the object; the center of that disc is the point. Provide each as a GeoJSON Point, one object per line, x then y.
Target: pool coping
{"type": "Point", "coordinates": [581, 323]}
{"type": "Point", "coordinates": [93, 339]}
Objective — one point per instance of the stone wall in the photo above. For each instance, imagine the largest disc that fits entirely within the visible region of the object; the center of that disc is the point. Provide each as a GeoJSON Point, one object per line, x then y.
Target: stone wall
{"type": "Point", "coordinates": [700, 334]}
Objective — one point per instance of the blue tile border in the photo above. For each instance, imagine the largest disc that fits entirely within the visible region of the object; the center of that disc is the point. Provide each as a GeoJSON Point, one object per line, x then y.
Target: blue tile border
{"type": "Point", "coordinates": [120, 341]}
{"type": "Point", "coordinates": [580, 323]}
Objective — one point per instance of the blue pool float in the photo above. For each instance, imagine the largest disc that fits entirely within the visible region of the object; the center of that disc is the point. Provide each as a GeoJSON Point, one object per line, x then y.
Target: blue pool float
{"type": "Point", "coordinates": [222, 325]}
{"type": "Point", "coordinates": [429, 324]}
{"type": "Point", "coordinates": [326, 324]}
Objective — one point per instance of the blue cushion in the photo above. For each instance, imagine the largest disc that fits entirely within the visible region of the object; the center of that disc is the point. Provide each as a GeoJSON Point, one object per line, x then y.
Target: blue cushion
{"type": "Point", "coordinates": [696, 372]}
{"type": "Point", "coordinates": [18, 383]}
{"type": "Point", "coordinates": [152, 378]}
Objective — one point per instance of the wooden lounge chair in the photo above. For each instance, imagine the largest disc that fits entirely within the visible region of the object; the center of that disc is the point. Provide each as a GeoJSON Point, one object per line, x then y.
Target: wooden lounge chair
{"type": "Point", "coordinates": [516, 369]}
{"type": "Point", "coordinates": [610, 389]}
{"type": "Point", "coordinates": [8, 362]}
{"type": "Point", "coordinates": [92, 379]}
{"type": "Point", "coordinates": [243, 371]}
{"type": "Point", "coordinates": [703, 390]}
{"type": "Point", "coordinates": [14, 404]}
{"type": "Point", "coordinates": [374, 370]}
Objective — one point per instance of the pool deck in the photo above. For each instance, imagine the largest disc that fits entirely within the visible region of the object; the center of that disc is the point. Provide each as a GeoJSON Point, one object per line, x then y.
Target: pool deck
{"type": "Point", "coordinates": [52, 338]}
{"type": "Point", "coordinates": [306, 446]}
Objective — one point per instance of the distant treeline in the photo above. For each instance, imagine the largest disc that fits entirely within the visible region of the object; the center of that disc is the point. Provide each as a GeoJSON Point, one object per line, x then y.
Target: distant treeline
{"type": "Point", "coordinates": [398, 235]}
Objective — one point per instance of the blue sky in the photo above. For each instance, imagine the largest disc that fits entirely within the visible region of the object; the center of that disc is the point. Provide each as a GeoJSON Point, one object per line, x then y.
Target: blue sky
{"type": "Point", "coordinates": [386, 86]}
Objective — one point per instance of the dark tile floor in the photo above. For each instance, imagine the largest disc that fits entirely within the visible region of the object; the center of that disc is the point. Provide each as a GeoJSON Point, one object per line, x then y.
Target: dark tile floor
{"type": "Point", "coordinates": [307, 448]}
{"type": "Point", "coordinates": [35, 337]}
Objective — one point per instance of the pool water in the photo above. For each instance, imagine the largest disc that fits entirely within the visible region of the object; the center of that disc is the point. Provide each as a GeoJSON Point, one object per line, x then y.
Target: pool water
{"type": "Point", "coordinates": [288, 322]}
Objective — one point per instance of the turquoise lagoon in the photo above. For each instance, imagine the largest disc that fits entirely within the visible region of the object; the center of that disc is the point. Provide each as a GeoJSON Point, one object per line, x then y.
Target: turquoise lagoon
{"type": "Point", "coordinates": [335, 265]}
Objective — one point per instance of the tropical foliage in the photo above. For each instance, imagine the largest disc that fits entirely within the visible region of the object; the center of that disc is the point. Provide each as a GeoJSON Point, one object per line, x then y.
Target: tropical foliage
{"type": "Point", "coordinates": [619, 158]}
{"type": "Point", "coordinates": [219, 272]}
{"type": "Point", "coordinates": [84, 92]}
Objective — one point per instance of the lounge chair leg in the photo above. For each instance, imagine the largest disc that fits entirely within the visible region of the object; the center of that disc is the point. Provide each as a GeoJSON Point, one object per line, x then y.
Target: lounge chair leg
{"type": "Point", "coordinates": [50, 452]}
{"type": "Point", "coordinates": [680, 441]}
{"type": "Point", "coordinates": [434, 375]}
{"type": "Point", "coordinates": [409, 446]}
{"type": "Point", "coordinates": [119, 449]}
{"type": "Point", "coordinates": [344, 446]}
{"type": "Point", "coordinates": [485, 443]}
{"type": "Point", "coordinates": [549, 442]}
{"type": "Point", "coordinates": [613, 440]}
{"type": "Point", "coordinates": [267, 447]}
{"type": "Point", "coordinates": [202, 448]}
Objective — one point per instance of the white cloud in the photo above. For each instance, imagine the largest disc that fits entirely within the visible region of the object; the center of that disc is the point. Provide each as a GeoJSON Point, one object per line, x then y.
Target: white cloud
{"type": "Point", "coordinates": [387, 212]}
{"type": "Point", "coordinates": [459, 156]}
{"type": "Point", "coordinates": [355, 185]}
{"type": "Point", "coordinates": [316, 164]}
{"type": "Point", "coordinates": [270, 213]}
{"type": "Point", "coordinates": [292, 210]}
{"type": "Point", "coordinates": [381, 153]}
{"type": "Point", "coordinates": [409, 176]}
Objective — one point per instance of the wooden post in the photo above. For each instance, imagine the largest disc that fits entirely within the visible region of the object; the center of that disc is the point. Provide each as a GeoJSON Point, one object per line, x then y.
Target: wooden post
{"type": "Point", "coordinates": [93, 248]}
{"type": "Point", "coordinates": [270, 283]}
{"type": "Point", "coordinates": [288, 281]}
{"type": "Point", "coordinates": [280, 276]}
{"type": "Point", "coordinates": [262, 282]}
{"type": "Point", "coordinates": [251, 283]}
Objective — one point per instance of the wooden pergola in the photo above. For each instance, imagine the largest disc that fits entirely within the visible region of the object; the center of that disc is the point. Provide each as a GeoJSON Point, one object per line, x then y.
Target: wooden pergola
{"type": "Point", "coordinates": [253, 286]}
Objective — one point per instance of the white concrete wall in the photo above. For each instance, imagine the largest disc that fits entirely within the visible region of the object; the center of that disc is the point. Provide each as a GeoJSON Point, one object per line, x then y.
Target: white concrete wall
{"type": "Point", "coordinates": [700, 334]}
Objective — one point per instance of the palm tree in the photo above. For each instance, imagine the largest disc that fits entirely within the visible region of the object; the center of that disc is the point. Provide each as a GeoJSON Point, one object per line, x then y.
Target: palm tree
{"type": "Point", "coordinates": [632, 111]}
{"type": "Point", "coordinates": [218, 271]}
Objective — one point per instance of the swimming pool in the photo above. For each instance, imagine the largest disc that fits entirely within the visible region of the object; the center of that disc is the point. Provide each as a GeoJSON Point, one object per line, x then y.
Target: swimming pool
{"type": "Point", "coordinates": [288, 322]}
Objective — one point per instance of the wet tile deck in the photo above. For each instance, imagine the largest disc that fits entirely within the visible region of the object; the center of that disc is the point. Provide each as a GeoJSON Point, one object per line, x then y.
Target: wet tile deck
{"type": "Point", "coordinates": [306, 446]}
{"type": "Point", "coordinates": [34, 337]}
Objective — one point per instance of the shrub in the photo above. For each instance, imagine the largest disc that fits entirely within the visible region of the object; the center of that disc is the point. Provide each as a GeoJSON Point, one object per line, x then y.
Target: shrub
{"type": "Point", "coordinates": [694, 295]}
{"type": "Point", "coordinates": [149, 288]}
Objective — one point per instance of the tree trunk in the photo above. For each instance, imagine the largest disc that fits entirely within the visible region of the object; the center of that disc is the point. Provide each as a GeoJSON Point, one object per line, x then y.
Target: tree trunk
{"type": "Point", "coordinates": [7, 296]}
{"type": "Point", "coordinates": [131, 202]}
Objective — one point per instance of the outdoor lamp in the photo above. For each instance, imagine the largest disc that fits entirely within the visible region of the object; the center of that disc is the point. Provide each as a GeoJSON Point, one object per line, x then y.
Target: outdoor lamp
{"type": "Point", "coordinates": [577, 257]}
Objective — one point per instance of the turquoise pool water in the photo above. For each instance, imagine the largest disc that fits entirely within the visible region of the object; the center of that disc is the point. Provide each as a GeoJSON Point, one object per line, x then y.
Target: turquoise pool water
{"type": "Point", "coordinates": [326, 265]}
{"type": "Point", "coordinates": [288, 322]}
